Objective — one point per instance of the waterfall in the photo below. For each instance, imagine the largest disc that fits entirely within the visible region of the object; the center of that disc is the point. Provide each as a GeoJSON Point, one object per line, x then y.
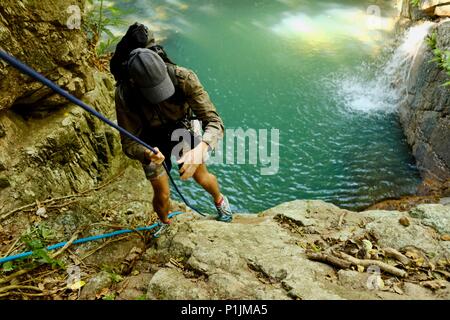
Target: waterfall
{"type": "Point", "coordinates": [380, 88]}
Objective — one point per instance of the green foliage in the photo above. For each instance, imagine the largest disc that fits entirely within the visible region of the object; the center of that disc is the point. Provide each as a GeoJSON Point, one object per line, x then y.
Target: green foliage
{"type": "Point", "coordinates": [8, 266]}
{"type": "Point", "coordinates": [141, 297]}
{"type": "Point", "coordinates": [110, 296]}
{"type": "Point", "coordinates": [116, 278]}
{"type": "Point", "coordinates": [415, 3]}
{"type": "Point", "coordinates": [441, 57]}
{"type": "Point", "coordinates": [98, 22]}
{"type": "Point", "coordinates": [36, 240]}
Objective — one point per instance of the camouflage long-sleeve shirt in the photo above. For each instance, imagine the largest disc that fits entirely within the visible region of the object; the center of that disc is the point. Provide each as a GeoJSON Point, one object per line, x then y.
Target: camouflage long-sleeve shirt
{"type": "Point", "coordinates": [196, 98]}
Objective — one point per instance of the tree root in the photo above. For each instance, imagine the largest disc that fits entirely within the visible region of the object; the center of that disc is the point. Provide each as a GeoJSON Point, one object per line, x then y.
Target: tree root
{"type": "Point", "coordinates": [367, 263]}
{"type": "Point", "coordinates": [345, 261]}
{"type": "Point", "coordinates": [329, 259]}
{"type": "Point", "coordinates": [392, 253]}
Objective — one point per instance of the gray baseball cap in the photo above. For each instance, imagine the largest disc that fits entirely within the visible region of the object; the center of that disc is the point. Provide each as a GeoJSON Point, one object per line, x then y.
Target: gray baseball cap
{"type": "Point", "coordinates": [149, 73]}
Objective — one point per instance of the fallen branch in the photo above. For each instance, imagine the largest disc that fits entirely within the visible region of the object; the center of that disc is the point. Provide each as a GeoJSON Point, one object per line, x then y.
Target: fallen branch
{"type": "Point", "coordinates": [329, 259]}
{"type": "Point", "coordinates": [15, 275]}
{"type": "Point", "coordinates": [392, 253]}
{"type": "Point", "coordinates": [367, 263]}
{"type": "Point", "coordinates": [18, 287]}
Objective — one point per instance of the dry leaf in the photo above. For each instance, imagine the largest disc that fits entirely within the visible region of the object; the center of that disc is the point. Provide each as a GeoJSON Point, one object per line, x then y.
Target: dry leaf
{"type": "Point", "coordinates": [367, 245]}
{"type": "Point", "coordinates": [102, 293]}
{"type": "Point", "coordinates": [76, 285]}
{"type": "Point", "coordinates": [397, 289]}
{"type": "Point", "coordinates": [360, 269]}
{"type": "Point", "coordinates": [412, 255]}
{"type": "Point", "coordinates": [435, 284]}
{"type": "Point", "coordinates": [41, 212]}
{"type": "Point", "coordinates": [404, 221]}
{"type": "Point", "coordinates": [445, 237]}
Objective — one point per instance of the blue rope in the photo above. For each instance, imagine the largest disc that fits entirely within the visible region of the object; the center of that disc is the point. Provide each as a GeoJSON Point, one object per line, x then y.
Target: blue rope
{"type": "Point", "coordinates": [88, 239]}
{"type": "Point", "coordinates": [32, 73]}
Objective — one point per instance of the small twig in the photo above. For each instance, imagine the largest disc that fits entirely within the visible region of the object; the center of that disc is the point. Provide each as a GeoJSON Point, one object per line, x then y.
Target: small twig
{"type": "Point", "coordinates": [329, 259]}
{"type": "Point", "coordinates": [367, 263]}
{"type": "Point", "coordinates": [103, 245]}
{"type": "Point", "coordinates": [67, 245]}
{"type": "Point", "coordinates": [62, 205]}
{"type": "Point", "coordinates": [12, 247]}
{"type": "Point", "coordinates": [341, 219]}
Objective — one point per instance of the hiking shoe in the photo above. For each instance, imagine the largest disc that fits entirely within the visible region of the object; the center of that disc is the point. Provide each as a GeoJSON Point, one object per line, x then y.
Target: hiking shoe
{"type": "Point", "coordinates": [160, 229]}
{"type": "Point", "coordinates": [224, 211]}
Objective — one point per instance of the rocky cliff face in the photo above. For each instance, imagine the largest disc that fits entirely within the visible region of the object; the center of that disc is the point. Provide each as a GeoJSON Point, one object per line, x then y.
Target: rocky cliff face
{"type": "Point", "coordinates": [37, 33]}
{"type": "Point", "coordinates": [424, 9]}
{"type": "Point", "coordinates": [425, 111]}
{"type": "Point", "coordinates": [50, 148]}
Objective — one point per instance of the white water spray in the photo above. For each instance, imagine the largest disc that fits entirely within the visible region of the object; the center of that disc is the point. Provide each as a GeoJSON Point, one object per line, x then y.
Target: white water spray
{"type": "Point", "coordinates": [381, 91]}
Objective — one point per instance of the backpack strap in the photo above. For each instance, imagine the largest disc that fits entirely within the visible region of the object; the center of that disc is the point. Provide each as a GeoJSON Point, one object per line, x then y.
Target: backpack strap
{"type": "Point", "coordinates": [179, 93]}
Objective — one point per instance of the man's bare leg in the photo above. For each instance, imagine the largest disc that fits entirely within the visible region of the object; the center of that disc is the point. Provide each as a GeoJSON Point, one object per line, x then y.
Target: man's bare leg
{"type": "Point", "coordinates": [209, 182]}
{"type": "Point", "coordinates": [161, 197]}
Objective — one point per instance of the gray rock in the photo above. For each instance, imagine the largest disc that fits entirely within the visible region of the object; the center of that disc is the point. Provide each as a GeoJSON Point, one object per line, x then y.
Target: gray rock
{"type": "Point", "coordinates": [390, 233]}
{"type": "Point", "coordinates": [95, 285]}
{"type": "Point", "coordinates": [170, 284]}
{"type": "Point", "coordinates": [416, 291]}
{"type": "Point", "coordinates": [4, 182]}
{"type": "Point", "coordinates": [353, 279]}
{"type": "Point", "coordinates": [436, 216]}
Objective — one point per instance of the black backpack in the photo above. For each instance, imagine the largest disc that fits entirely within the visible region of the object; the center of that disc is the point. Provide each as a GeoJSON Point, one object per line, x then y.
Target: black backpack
{"type": "Point", "coordinates": [137, 36]}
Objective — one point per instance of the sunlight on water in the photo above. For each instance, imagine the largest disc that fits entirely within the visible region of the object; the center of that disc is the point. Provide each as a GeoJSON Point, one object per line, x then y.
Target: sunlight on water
{"type": "Point", "coordinates": [332, 23]}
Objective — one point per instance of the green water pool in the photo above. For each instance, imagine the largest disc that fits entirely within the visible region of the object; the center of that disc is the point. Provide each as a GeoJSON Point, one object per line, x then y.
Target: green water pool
{"type": "Point", "coordinates": [306, 68]}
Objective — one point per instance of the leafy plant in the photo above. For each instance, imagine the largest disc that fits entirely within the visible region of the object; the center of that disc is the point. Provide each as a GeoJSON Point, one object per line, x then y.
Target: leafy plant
{"type": "Point", "coordinates": [36, 240]}
{"type": "Point", "coordinates": [441, 57]}
{"type": "Point", "coordinates": [99, 19]}
{"type": "Point", "coordinates": [8, 266]}
{"type": "Point", "coordinates": [116, 278]}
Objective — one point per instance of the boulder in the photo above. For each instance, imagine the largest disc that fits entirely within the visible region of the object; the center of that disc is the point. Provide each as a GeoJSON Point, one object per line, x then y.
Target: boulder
{"type": "Point", "coordinates": [95, 285]}
{"type": "Point", "coordinates": [436, 216]}
{"type": "Point", "coordinates": [263, 256]}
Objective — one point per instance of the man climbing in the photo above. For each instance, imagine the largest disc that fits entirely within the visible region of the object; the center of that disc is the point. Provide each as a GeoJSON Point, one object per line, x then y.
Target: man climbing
{"type": "Point", "coordinates": [154, 99]}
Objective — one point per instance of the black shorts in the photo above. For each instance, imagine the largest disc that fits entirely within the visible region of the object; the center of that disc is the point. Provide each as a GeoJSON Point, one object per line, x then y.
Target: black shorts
{"type": "Point", "coordinates": [162, 140]}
